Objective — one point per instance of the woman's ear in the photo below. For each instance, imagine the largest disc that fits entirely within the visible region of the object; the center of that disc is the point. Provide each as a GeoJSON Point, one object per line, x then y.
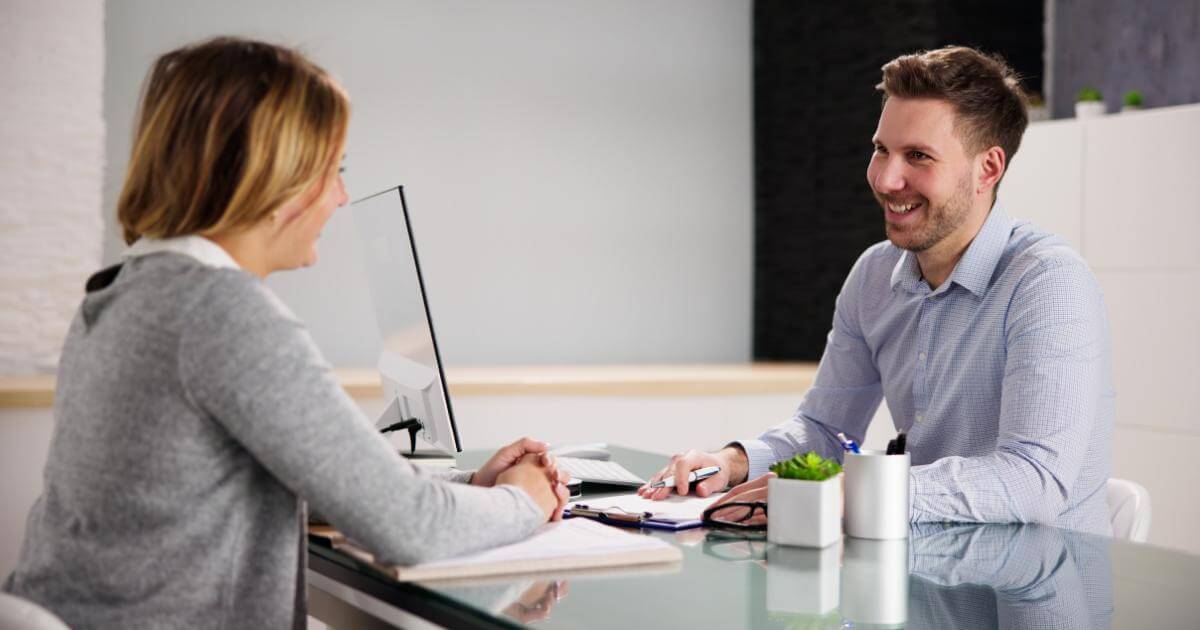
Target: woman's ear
{"type": "Point", "coordinates": [291, 210]}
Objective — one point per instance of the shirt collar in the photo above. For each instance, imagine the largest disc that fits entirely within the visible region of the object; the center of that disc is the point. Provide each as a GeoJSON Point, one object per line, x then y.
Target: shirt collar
{"type": "Point", "coordinates": [974, 270]}
{"type": "Point", "coordinates": [203, 250]}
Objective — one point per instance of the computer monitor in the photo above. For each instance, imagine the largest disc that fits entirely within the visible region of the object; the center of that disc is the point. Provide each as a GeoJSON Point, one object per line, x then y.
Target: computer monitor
{"type": "Point", "coordinates": [410, 365]}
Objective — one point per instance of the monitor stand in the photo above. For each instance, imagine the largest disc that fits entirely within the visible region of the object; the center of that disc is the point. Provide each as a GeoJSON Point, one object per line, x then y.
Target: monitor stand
{"type": "Point", "coordinates": [435, 458]}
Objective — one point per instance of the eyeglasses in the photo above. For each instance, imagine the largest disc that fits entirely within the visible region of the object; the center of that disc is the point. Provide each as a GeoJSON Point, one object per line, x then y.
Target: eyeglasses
{"type": "Point", "coordinates": [735, 515]}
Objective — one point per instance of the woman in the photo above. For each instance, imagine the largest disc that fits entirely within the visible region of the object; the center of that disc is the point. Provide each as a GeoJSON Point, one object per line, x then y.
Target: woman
{"type": "Point", "coordinates": [194, 415]}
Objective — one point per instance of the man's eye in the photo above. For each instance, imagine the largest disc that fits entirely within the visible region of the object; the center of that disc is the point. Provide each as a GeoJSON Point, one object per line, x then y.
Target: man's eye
{"type": "Point", "coordinates": [917, 155]}
{"type": "Point", "coordinates": [880, 150]}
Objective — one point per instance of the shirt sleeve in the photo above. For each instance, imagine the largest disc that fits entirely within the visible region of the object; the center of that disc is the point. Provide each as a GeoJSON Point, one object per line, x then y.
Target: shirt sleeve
{"type": "Point", "coordinates": [1056, 361]}
{"type": "Point", "coordinates": [844, 395]}
{"type": "Point", "coordinates": [255, 370]}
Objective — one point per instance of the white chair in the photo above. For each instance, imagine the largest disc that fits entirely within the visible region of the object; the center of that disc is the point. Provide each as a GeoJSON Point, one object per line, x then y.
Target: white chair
{"type": "Point", "coordinates": [1129, 509]}
{"type": "Point", "coordinates": [20, 613]}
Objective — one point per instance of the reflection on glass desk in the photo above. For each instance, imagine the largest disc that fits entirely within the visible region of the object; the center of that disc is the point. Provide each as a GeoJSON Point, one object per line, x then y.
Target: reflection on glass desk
{"type": "Point", "coordinates": [943, 576]}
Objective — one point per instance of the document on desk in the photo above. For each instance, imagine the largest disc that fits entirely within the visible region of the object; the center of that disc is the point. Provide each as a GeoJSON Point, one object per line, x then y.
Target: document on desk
{"type": "Point", "coordinates": [673, 513]}
{"type": "Point", "coordinates": [558, 546]}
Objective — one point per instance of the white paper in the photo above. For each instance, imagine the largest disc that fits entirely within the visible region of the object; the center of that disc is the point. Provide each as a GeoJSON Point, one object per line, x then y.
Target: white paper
{"type": "Point", "coordinates": [569, 537]}
{"type": "Point", "coordinates": [673, 507]}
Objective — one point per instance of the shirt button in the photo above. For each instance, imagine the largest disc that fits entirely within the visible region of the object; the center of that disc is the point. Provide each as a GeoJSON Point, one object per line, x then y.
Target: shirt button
{"type": "Point", "coordinates": [921, 356]}
{"type": "Point", "coordinates": [920, 417]}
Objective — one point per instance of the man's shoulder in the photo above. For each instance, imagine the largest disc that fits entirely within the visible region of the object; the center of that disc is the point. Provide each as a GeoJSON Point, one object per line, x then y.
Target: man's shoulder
{"type": "Point", "coordinates": [879, 259]}
{"type": "Point", "coordinates": [1033, 250]}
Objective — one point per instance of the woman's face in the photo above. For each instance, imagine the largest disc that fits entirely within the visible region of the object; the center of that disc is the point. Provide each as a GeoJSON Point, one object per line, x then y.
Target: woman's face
{"type": "Point", "coordinates": [301, 220]}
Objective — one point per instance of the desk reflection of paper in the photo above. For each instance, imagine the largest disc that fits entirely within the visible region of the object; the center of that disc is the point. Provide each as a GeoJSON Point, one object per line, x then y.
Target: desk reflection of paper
{"type": "Point", "coordinates": [674, 507]}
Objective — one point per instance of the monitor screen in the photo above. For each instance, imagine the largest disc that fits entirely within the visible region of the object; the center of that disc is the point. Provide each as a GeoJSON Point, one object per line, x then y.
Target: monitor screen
{"type": "Point", "coordinates": [410, 366]}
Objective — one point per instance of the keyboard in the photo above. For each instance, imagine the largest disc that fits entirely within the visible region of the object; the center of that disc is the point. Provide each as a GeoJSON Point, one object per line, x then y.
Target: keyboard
{"type": "Point", "coordinates": [594, 471]}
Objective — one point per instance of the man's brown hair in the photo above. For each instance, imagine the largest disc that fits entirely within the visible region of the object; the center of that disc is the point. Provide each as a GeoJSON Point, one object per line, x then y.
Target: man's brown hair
{"type": "Point", "coordinates": [985, 92]}
{"type": "Point", "coordinates": [228, 130]}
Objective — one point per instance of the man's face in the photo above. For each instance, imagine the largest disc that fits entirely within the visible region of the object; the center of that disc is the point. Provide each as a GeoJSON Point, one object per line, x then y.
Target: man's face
{"type": "Point", "coordinates": [920, 173]}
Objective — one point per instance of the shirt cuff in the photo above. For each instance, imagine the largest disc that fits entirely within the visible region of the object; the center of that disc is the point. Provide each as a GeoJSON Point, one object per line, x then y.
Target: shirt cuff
{"type": "Point", "coordinates": [912, 500]}
{"type": "Point", "coordinates": [759, 457]}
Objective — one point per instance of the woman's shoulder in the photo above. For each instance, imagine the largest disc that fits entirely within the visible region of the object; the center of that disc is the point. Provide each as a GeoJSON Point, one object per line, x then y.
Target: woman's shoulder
{"type": "Point", "coordinates": [206, 291]}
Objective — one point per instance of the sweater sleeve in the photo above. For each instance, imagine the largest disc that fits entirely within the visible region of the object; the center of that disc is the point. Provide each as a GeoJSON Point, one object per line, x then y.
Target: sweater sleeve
{"type": "Point", "coordinates": [249, 364]}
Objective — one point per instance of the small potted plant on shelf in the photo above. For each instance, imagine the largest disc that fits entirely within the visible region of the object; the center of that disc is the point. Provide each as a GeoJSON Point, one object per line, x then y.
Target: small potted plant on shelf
{"type": "Point", "coordinates": [1089, 103]}
{"type": "Point", "coordinates": [805, 502]}
{"type": "Point", "coordinates": [1037, 108]}
{"type": "Point", "coordinates": [1132, 101]}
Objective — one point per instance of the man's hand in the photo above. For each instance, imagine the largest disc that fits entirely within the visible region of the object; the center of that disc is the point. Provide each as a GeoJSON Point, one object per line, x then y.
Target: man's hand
{"type": "Point", "coordinates": [542, 481]}
{"type": "Point", "coordinates": [753, 490]}
{"type": "Point", "coordinates": [731, 459]}
{"type": "Point", "coordinates": [506, 458]}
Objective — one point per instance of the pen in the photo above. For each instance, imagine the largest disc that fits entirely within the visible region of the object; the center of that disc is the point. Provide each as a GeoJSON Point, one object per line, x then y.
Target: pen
{"type": "Point", "coordinates": [847, 443]}
{"type": "Point", "coordinates": [694, 476]}
{"type": "Point", "coordinates": [609, 515]}
{"type": "Point", "coordinates": [896, 446]}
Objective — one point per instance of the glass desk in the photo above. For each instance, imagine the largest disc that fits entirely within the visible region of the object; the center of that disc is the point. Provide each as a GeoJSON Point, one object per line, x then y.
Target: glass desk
{"type": "Point", "coordinates": [944, 576]}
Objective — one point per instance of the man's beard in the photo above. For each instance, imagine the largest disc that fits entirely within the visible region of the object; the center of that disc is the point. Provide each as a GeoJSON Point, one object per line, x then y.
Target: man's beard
{"type": "Point", "coordinates": [940, 221]}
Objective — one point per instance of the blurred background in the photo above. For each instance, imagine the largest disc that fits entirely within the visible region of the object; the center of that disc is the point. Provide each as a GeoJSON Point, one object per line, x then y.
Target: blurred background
{"type": "Point", "coordinates": [647, 189]}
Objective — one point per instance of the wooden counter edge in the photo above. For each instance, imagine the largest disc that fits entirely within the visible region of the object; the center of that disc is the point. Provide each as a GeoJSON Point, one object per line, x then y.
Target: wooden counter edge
{"type": "Point", "coordinates": [569, 380]}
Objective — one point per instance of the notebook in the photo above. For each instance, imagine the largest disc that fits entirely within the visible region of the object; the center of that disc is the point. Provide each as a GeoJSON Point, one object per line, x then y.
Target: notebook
{"type": "Point", "coordinates": [558, 546]}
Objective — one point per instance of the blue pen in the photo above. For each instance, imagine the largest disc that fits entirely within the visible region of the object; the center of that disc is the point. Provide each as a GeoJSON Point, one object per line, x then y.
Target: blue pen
{"type": "Point", "coordinates": [847, 443]}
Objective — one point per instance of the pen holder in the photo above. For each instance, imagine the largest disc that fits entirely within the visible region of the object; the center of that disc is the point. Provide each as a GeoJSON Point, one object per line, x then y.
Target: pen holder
{"type": "Point", "coordinates": [804, 513]}
{"type": "Point", "coordinates": [877, 504]}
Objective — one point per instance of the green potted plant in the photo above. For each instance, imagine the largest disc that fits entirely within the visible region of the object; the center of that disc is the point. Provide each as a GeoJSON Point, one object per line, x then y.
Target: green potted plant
{"type": "Point", "coordinates": [1037, 108]}
{"type": "Point", "coordinates": [1132, 101]}
{"type": "Point", "coordinates": [1088, 103]}
{"type": "Point", "coordinates": [805, 501]}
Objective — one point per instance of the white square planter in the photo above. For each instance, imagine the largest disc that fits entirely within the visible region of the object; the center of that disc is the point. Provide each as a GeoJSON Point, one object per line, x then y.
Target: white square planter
{"type": "Point", "coordinates": [1089, 109]}
{"type": "Point", "coordinates": [804, 513]}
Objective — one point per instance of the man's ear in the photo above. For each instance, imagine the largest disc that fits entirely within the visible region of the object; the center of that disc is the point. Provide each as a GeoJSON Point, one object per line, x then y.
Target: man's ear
{"type": "Point", "coordinates": [992, 163]}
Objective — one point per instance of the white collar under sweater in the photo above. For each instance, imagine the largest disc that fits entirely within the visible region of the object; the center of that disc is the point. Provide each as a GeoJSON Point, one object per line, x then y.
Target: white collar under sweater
{"type": "Point", "coordinates": [198, 247]}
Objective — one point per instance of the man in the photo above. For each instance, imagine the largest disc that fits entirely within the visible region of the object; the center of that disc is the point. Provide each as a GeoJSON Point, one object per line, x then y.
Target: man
{"type": "Point", "coordinates": [987, 336]}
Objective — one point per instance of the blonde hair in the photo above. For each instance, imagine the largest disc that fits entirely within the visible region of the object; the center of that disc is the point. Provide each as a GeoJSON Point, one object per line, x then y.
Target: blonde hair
{"type": "Point", "coordinates": [227, 131]}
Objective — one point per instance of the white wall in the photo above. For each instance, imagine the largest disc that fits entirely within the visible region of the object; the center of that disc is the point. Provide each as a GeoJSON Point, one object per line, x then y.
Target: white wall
{"type": "Point", "coordinates": [1122, 190]}
{"type": "Point", "coordinates": [579, 172]}
{"type": "Point", "coordinates": [51, 163]}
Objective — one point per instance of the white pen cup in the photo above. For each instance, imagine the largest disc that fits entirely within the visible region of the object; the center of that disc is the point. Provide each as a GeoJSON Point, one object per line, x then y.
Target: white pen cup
{"type": "Point", "coordinates": [877, 503]}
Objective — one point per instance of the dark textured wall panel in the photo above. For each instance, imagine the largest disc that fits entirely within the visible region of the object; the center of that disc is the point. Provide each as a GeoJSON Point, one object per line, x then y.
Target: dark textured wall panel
{"type": "Point", "coordinates": [1121, 45]}
{"type": "Point", "coordinates": [815, 109]}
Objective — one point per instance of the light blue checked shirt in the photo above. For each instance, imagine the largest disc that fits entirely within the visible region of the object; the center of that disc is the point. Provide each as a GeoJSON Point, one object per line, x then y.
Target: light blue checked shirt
{"type": "Point", "coordinates": [1001, 377]}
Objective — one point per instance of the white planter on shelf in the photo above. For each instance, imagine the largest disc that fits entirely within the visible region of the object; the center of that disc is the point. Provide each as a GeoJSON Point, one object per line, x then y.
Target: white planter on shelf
{"type": "Point", "coordinates": [804, 513]}
{"type": "Point", "coordinates": [1089, 109]}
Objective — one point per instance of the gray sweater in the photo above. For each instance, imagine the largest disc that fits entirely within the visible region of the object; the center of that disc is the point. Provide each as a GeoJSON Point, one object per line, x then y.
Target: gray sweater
{"type": "Point", "coordinates": [193, 415]}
